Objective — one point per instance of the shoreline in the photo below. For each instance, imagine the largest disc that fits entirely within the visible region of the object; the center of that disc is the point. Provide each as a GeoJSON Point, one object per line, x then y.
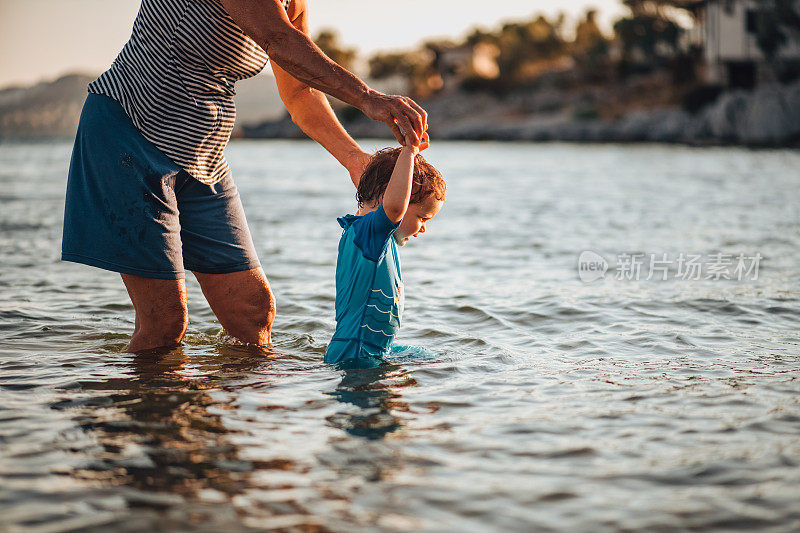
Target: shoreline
{"type": "Point", "coordinates": [488, 139]}
{"type": "Point", "coordinates": [646, 109]}
{"type": "Point", "coordinates": [768, 117]}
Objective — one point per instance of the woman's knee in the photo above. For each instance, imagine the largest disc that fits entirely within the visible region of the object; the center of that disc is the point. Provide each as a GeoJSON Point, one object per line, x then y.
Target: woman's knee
{"type": "Point", "coordinates": [162, 314]}
{"type": "Point", "coordinates": [254, 322]}
{"type": "Point", "coordinates": [264, 307]}
{"type": "Point", "coordinates": [164, 325]}
{"type": "Point", "coordinates": [171, 321]}
{"type": "Point", "coordinates": [243, 303]}
{"type": "Point", "coordinates": [159, 330]}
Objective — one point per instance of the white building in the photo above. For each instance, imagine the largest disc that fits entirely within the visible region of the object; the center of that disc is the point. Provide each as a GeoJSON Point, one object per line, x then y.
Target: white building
{"type": "Point", "coordinates": [455, 63]}
{"type": "Point", "coordinates": [726, 31]}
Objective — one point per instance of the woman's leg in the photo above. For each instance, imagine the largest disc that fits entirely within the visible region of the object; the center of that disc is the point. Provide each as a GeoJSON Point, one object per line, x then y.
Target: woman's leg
{"type": "Point", "coordinates": [121, 215]}
{"type": "Point", "coordinates": [243, 303]}
{"type": "Point", "coordinates": [161, 312]}
{"type": "Point", "coordinates": [218, 249]}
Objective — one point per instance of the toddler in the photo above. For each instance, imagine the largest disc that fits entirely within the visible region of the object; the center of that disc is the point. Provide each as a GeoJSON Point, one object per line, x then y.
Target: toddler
{"type": "Point", "coordinates": [398, 193]}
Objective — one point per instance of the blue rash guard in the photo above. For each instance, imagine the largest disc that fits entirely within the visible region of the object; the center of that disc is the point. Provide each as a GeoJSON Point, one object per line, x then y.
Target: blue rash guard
{"type": "Point", "coordinates": [369, 288]}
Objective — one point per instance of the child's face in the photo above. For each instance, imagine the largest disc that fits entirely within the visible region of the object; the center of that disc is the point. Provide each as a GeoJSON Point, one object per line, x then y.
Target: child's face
{"type": "Point", "coordinates": [417, 215]}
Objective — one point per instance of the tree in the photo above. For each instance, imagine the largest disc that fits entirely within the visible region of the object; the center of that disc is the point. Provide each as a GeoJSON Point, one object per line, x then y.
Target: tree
{"type": "Point", "coordinates": [416, 67]}
{"type": "Point", "coordinates": [328, 41]}
{"type": "Point", "coordinates": [588, 36]}
{"type": "Point", "coordinates": [776, 22]}
{"type": "Point", "coordinates": [590, 48]}
{"type": "Point", "coordinates": [523, 43]}
{"type": "Point", "coordinates": [649, 32]}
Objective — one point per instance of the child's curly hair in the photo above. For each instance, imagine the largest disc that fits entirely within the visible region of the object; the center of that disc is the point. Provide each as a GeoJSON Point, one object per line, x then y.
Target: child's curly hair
{"type": "Point", "coordinates": [427, 181]}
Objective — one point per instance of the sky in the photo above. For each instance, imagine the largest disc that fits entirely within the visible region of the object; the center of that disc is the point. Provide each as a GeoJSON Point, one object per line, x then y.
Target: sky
{"type": "Point", "coordinates": [43, 39]}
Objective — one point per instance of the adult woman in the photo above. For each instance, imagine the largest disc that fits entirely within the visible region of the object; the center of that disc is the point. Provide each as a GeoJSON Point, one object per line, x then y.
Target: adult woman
{"type": "Point", "coordinates": [149, 190]}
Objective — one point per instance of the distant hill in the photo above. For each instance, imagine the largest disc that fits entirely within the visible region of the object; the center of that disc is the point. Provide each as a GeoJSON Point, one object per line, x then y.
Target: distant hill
{"type": "Point", "coordinates": [47, 109]}
{"type": "Point", "coordinates": [52, 108]}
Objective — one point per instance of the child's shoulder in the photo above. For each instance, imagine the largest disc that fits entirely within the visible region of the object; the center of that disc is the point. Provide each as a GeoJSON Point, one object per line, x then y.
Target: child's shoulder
{"type": "Point", "coordinates": [348, 220]}
{"type": "Point", "coordinates": [370, 232]}
{"type": "Point", "coordinates": [375, 217]}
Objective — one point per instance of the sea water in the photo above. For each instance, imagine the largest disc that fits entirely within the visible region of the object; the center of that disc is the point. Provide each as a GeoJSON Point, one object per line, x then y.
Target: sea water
{"type": "Point", "coordinates": [545, 403]}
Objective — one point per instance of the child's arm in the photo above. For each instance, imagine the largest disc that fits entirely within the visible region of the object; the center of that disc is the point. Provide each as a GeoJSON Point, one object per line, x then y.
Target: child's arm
{"type": "Point", "coordinates": [398, 190]}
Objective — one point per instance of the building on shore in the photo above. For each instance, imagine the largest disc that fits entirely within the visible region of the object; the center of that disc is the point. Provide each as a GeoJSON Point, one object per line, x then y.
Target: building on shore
{"type": "Point", "coordinates": [455, 63]}
{"type": "Point", "coordinates": [727, 31]}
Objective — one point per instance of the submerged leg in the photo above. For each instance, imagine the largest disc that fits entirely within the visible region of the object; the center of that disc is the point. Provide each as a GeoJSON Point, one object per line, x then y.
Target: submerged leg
{"type": "Point", "coordinates": [243, 303]}
{"type": "Point", "coordinates": [162, 314]}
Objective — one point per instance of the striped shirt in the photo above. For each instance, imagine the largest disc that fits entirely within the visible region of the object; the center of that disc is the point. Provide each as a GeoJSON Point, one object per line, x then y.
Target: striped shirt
{"type": "Point", "coordinates": [175, 79]}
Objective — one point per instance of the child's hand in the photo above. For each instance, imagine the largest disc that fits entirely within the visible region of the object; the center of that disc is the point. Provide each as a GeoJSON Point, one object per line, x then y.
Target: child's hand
{"type": "Point", "coordinates": [410, 149]}
{"type": "Point", "coordinates": [425, 141]}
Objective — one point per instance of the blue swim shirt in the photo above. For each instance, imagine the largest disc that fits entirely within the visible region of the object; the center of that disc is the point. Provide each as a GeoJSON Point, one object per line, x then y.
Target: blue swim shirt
{"type": "Point", "coordinates": [369, 289]}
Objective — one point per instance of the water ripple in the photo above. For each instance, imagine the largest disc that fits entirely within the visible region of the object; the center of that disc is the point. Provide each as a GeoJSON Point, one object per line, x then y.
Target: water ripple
{"type": "Point", "coordinates": [545, 403]}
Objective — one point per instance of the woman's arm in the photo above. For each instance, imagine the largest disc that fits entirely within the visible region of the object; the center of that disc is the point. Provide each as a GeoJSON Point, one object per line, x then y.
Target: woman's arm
{"type": "Point", "coordinates": [312, 113]}
{"type": "Point", "coordinates": [267, 23]}
{"type": "Point", "coordinates": [310, 110]}
{"type": "Point", "coordinates": [398, 190]}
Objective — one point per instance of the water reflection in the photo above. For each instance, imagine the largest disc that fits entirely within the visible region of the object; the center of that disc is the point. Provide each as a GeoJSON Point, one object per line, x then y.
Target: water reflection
{"type": "Point", "coordinates": [373, 386]}
{"type": "Point", "coordinates": [167, 435]}
{"type": "Point", "coordinates": [158, 429]}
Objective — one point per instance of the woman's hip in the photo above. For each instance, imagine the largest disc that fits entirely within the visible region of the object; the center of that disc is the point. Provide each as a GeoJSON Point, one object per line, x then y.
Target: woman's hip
{"type": "Point", "coordinates": [130, 209]}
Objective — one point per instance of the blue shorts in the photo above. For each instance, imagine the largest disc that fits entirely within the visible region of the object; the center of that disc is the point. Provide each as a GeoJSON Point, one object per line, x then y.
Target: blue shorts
{"type": "Point", "coordinates": [131, 209]}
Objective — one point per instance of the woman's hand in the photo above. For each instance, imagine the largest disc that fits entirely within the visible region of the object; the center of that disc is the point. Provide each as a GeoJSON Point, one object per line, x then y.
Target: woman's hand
{"type": "Point", "coordinates": [404, 116]}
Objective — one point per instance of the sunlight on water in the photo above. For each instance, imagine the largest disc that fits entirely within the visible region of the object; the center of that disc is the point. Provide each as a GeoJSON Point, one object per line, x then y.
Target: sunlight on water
{"type": "Point", "coordinates": [544, 403]}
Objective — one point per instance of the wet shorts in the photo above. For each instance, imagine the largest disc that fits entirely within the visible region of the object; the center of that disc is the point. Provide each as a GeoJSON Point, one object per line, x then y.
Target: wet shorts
{"type": "Point", "coordinates": [130, 209]}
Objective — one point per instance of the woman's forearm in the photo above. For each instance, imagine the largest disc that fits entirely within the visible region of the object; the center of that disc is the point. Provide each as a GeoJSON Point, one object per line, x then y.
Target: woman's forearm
{"type": "Point", "coordinates": [300, 57]}
{"type": "Point", "coordinates": [312, 113]}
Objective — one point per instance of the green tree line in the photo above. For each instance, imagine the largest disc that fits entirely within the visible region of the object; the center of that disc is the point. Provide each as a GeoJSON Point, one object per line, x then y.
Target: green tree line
{"type": "Point", "coordinates": [647, 38]}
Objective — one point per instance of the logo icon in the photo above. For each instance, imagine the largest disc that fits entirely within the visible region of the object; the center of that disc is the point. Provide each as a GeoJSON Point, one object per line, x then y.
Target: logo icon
{"type": "Point", "coordinates": [591, 266]}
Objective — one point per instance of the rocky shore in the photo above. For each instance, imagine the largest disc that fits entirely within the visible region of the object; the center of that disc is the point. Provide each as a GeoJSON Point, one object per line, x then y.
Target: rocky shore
{"type": "Point", "coordinates": [642, 111]}
{"type": "Point", "coordinates": [44, 110]}
{"type": "Point", "coordinates": [767, 116]}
